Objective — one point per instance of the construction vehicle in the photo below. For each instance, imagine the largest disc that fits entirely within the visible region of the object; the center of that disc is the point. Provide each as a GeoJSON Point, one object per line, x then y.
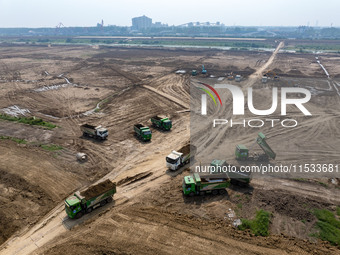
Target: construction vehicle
{"type": "Point", "coordinates": [194, 72]}
{"type": "Point", "coordinates": [242, 152]}
{"type": "Point", "coordinates": [196, 184]}
{"type": "Point", "coordinates": [142, 132]}
{"type": "Point", "coordinates": [92, 131]}
{"type": "Point", "coordinates": [272, 75]}
{"type": "Point", "coordinates": [83, 202]}
{"type": "Point", "coordinates": [230, 76]}
{"type": "Point", "coordinates": [204, 71]}
{"type": "Point", "coordinates": [176, 159]}
{"type": "Point", "coordinates": [163, 123]}
{"type": "Point", "coordinates": [236, 177]}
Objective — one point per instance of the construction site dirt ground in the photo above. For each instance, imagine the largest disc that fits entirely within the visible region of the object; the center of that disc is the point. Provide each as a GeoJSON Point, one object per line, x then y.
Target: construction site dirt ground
{"type": "Point", "coordinates": [118, 87]}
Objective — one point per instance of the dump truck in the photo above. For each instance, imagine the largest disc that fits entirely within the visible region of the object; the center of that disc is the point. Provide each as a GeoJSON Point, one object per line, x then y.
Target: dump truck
{"type": "Point", "coordinates": [97, 132]}
{"type": "Point", "coordinates": [142, 132]}
{"type": "Point", "coordinates": [83, 202]}
{"type": "Point", "coordinates": [196, 184]}
{"type": "Point", "coordinates": [163, 123]}
{"type": "Point", "coordinates": [233, 173]}
{"type": "Point", "coordinates": [177, 159]}
{"type": "Point", "coordinates": [194, 72]}
{"type": "Point", "coordinates": [242, 152]}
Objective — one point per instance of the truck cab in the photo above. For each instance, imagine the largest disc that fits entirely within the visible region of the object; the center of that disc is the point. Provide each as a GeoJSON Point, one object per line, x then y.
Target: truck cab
{"type": "Point", "coordinates": [167, 124]}
{"type": "Point", "coordinates": [102, 132]}
{"type": "Point", "coordinates": [146, 133]}
{"type": "Point", "coordinates": [189, 184]}
{"type": "Point", "coordinates": [241, 152]}
{"type": "Point", "coordinates": [218, 165]}
{"type": "Point", "coordinates": [73, 206]}
{"type": "Point", "coordinates": [174, 160]}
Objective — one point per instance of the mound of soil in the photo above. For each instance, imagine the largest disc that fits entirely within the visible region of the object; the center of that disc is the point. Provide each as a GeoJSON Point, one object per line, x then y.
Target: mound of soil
{"type": "Point", "coordinates": [129, 180]}
{"type": "Point", "coordinates": [185, 149]}
{"type": "Point", "coordinates": [295, 71]}
{"type": "Point", "coordinates": [98, 189]}
{"type": "Point", "coordinates": [15, 210]}
{"type": "Point", "coordinates": [294, 206]}
{"type": "Point", "coordinates": [277, 70]}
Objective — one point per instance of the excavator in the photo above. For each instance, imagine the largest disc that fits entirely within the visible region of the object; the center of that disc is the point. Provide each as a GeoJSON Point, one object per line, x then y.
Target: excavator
{"type": "Point", "coordinates": [271, 74]}
{"type": "Point", "coordinates": [242, 152]}
{"type": "Point", "coordinates": [204, 71]}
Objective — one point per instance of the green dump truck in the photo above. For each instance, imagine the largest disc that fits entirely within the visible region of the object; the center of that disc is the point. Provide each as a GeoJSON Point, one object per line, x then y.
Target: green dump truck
{"type": "Point", "coordinates": [142, 132]}
{"type": "Point", "coordinates": [242, 152]}
{"type": "Point", "coordinates": [85, 201]}
{"type": "Point", "coordinates": [161, 123]}
{"type": "Point", "coordinates": [196, 184]}
{"type": "Point", "coordinates": [233, 173]}
{"type": "Point", "coordinates": [97, 132]}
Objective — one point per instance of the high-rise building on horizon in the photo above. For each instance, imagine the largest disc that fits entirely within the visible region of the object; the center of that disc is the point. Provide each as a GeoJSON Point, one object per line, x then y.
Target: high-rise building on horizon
{"type": "Point", "coordinates": [141, 22]}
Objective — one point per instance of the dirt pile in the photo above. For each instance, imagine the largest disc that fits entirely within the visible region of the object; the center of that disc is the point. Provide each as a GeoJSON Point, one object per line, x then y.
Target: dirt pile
{"type": "Point", "coordinates": [16, 194]}
{"type": "Point", "coordinates": [129, 180]}
{"type": "Point", "coordinates": [98, 189]}
{"type": "Point", "coordinates": [185, 149]}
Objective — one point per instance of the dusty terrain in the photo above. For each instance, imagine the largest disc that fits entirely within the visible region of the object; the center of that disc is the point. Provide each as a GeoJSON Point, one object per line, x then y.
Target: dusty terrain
{"type": "Point", "coordinates": [64, 85]}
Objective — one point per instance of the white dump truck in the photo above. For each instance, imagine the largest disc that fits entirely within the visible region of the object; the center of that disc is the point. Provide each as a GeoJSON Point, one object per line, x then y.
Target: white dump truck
{"type": "Point", "coordinates": [176, 159]}
{"type": "Point", "coordinates": [92, 131]}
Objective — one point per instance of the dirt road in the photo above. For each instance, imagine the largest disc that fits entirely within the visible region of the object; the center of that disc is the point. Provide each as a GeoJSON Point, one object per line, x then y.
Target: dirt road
{"type": "Point", "coordinates": [259, 72]}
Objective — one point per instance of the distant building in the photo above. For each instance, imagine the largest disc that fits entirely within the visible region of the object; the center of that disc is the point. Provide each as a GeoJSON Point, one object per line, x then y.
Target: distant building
{"type": "Point", "coordinates": [141, 22]}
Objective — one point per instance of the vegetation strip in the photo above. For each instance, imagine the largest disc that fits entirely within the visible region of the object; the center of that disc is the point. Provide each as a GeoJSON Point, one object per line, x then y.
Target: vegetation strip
{"type": "Point", "coordinates": [260, 225]}
{"type": "Point", "coordinates": [28, 120]}
{"type": "Point", "coordinates": [328, 226]}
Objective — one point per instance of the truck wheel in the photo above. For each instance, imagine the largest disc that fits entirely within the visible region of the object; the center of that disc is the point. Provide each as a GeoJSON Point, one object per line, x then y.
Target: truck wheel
{"type": "Point", "coordinates": [221, 191]}
{"type": "Point", "coordinates": [90, 209]}
{"type": "Point", "coordinates": [79, 215]}
{"type": "Point", "coordinates": [215, 192]}
{"type": "Point", "coordinates": [191, 194]}
{"type": "Point", "coordinates": [102, 203]}
{"type": "Point", "coordinates": [202, 193]}
{"type": "Point", "coordinates": [109, 200]}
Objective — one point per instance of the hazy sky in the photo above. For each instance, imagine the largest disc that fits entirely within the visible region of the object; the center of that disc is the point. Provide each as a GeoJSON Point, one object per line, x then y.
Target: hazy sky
{"type": "Point", "coordinates": [48, 13]}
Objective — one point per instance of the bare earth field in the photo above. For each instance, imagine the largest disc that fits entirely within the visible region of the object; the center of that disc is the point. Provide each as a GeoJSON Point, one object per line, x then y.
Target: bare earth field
{"type": "Point", "coordinates": [119, 87]}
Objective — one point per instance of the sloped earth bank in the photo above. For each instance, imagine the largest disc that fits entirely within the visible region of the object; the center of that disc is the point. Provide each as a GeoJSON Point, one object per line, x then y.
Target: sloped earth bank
{"type": "Point", "coordinates": [149, 214]}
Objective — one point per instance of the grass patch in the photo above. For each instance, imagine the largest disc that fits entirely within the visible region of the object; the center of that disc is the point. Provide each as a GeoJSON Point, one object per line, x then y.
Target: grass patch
{"type": "Point", "coordinates": [338, 210]}
{"type": "Point", "coordinates": [300, 180]}
{"type": "Point", "coordinates": [260, 225]}
{"type": "Point", "coordinates": [17, 140]}
{"type": "Point", "coordinates": [328, 225]}
{"type": "Point", "coordinates": [28, 120]}
{"type": "Point", "coordinates": [51, 147]}
{"type": "Point", "coordinates": [323, 184]}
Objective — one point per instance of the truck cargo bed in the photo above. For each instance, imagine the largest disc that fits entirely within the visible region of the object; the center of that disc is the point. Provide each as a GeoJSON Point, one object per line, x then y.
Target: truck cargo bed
{"type": "Point", "coordinates": [88, 126]}
{"type": "Point", "coordinates": [98, 189]}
